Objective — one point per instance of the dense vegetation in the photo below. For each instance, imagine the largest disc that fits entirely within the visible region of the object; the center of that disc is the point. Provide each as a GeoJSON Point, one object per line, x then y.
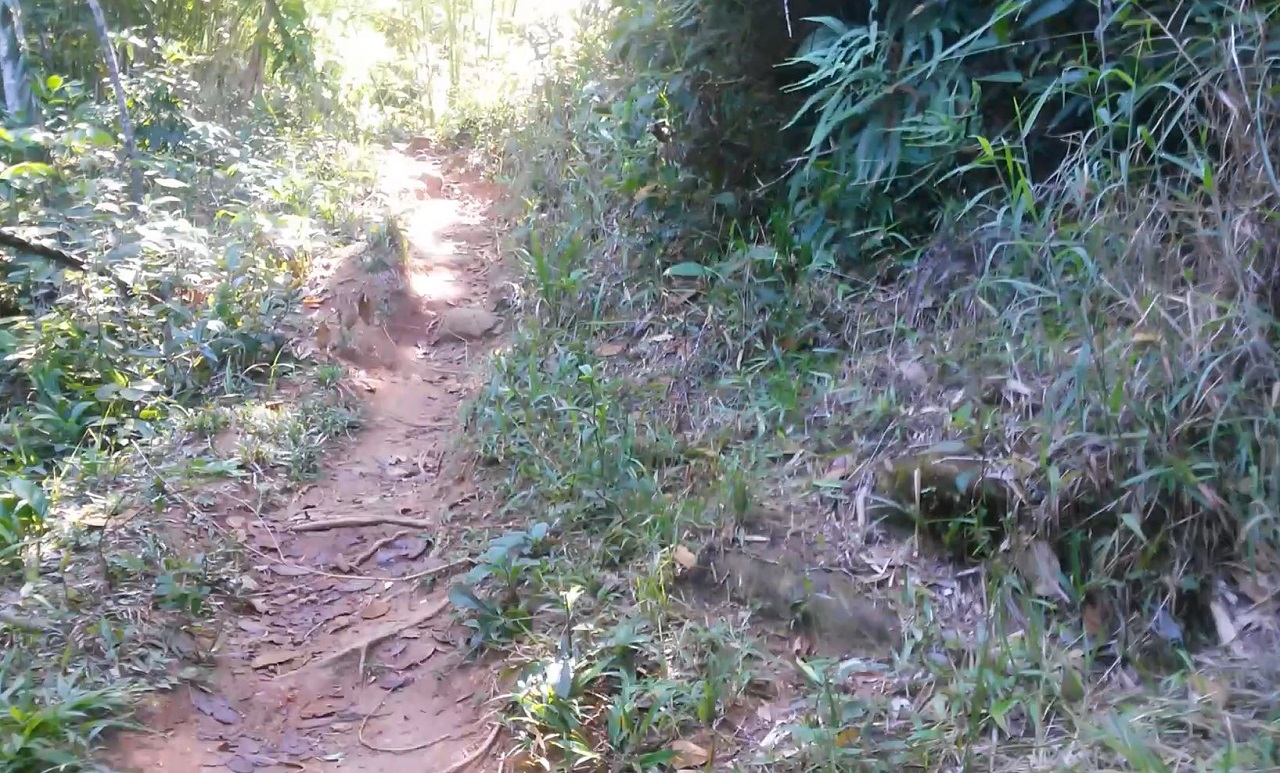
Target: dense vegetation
{"type": "Point", "coordinates": [1000, 273]}
{"type": "Point", "coordinates": [1004, 266]}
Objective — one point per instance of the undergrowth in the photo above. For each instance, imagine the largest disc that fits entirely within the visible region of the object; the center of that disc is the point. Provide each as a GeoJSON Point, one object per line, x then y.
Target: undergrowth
{"type": "Point", "coordinates": [130, 424]}
{"type": "Point", "coordinates": [1042, 426]}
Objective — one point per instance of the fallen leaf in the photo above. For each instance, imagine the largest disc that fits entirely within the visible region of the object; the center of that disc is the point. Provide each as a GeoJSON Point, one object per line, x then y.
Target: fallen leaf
{"type": "Point", "coordinates": [1091, 618]}
{"type": "Point", "coordinates": [215, 706]}
{"type": "Point", "coordinates": [289, 570]}
{"type": "Point", "coordinates": [1203, 689]}
{"type": "Point", "coordinates": [1222, 621]}
{"type": "Point", "coordinates": [914, 373]}
{"type": "Point", "coordinates": [394, 681]}
{"type": "Point", "coordinates": [1039, 564]}
{"type": "Point", "coordinates": [377, 608]}
{"type": "Point", "coordinates": [317, 709]}
{"type": "Point", "coordinates": [273, 658]}
{"type": "Point", "coordinates": [689, 754]}
{"type": "Point", "coordinates": [804, 645]}
{"type": "Point", "coordinates": [238, 764]}
{"type": "Point", "coordinates": [848, 737]}
{"type": "Point", "coordinates": [1014, 386]}
{"type": "Point", "coordinates": [685, 557]}
{"type": "Point", "coordinates": [365, 309]}
{"type": "Point", "coordinates": [467, 324]}
{"type": "Point", "coordinates": [259, 606]}
{"type": "Point", "coordinates": [611, 349]}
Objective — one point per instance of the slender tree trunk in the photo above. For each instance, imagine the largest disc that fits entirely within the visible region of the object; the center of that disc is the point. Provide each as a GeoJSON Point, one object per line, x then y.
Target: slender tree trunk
{"type": "Point", "coordinates": [126, 124]}
{"type": "Point", "coordinates": [19, 101]}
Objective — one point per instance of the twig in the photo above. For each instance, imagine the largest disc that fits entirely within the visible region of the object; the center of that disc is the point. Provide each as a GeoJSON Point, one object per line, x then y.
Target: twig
{"type": "Point", "coordinates": [364, 644]}
{"type": "Point", "coordinates": [480, 751]}
{"type": "Point", "coordinates": [363, 520]}
{"type": "Point", "coordinates": [379, 545]}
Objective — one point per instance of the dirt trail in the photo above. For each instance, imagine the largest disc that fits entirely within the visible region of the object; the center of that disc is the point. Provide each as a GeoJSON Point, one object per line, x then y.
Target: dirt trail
{"type": "Point", "coordinates": [313, 599]}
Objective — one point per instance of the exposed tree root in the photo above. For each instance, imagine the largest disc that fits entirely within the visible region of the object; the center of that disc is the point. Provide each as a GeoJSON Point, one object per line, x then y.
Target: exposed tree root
{"type": "Point", "coordinates": [379, 545]}
{"type": "Point", "coordinates": [363, 520]}
{"type": "Point", "coordinates": [479, 752]}
{"type": "Point", "coordinates": [364, 644]}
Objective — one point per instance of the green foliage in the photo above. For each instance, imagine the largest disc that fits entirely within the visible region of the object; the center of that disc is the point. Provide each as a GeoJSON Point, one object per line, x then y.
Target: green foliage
{"type": "Point", "coordinates": [98, 388]}
{"type": "Point", "coordinates": [1037, 230]}
{"type": "Point", "coordinates": [54, 725]}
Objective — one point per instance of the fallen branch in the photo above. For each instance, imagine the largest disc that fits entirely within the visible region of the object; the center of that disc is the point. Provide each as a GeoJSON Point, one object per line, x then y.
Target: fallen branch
{"type": "Point", "coordinates": [61, 258]}
{"type": "Point", "coordinates": [363, 520]}
{"type": "Point", "coordinates": [379, 545]}
{"type": "Point", "coordinates": [480, 751]}
{"type": "Point", "coordinates": [364, 644]}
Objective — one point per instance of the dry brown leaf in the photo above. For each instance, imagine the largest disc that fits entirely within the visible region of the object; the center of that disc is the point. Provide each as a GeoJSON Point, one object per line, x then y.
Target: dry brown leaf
{"type": "Point", "coordinates": [804, 645]}
{"type": "Point", "coordinates": [842, 466]}
{"type": "Point", "coordinates": [365, 309]}
{"type": "Point", "coordinates": [914, 373]}
{"type": "Point", "coordinates": [324, 336]}
{"type": "Point", "coordinates": [848, 737]}
{"type": "Point", "coordinates": [1091, 616]}
{"type": "Point", "coordinates": [1207, 690]}
{"type": "Point", "coordinates": [1222, 621]}
{"type": "Point", "coordinates": [273, 658]}
{"type": "Point", "coordinates": [611, 349]}
{"type": "Point", "coordinates": [376, 609]}
{"type": "Point", "coordinates": [1014, 386]}
{"type": "Point", "coordinates": [684, 557]}
{"type": "Point", "coordinates": [1039, 564]}
{"type": "Point", "coordinates": [689, 754]}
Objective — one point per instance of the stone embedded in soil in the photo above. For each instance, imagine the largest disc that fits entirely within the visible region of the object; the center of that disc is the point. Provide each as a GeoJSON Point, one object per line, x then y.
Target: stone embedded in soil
{"type": "Point", "coordinates": [467, 324]}
{"type": "Point", "coordinates": [831, 605]}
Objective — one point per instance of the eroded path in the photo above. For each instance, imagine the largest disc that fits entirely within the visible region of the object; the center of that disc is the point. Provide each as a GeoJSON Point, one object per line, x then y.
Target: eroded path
{"type": "Point", "coordinates": [295, 687]}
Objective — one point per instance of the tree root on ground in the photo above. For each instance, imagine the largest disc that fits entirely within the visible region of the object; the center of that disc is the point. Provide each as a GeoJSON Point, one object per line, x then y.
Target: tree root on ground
{"type": "Point", "coordinates": [364, 644]}
{"type": "Point", "coordinates": [366, 520]}
{"type": "Point", "coordinates": [479, 752]}
{"type": "Point", "coordinates": [379, 545]}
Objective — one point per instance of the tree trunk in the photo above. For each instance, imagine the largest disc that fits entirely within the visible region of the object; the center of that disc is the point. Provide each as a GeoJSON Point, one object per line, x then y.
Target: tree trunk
{"type": "Point", "coordinates": [126, 124]}
{"type": "Point", "coordinates": [19, 101]}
